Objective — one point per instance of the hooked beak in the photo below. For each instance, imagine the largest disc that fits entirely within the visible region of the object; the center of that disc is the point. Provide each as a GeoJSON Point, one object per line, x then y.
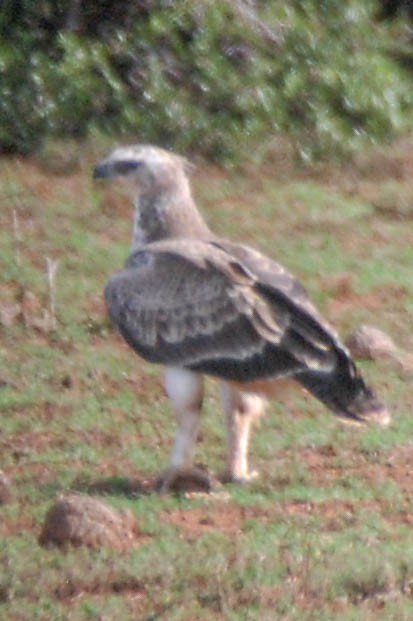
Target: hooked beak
{"type": "Point", "coordinates": [119, 168]}
{"type": "Point", "coordinates": [101, 171]}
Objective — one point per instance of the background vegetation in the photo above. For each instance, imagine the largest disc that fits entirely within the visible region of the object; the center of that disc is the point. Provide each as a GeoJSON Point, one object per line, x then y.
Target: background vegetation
{"type": "Point", "coordinates": [217, 77]}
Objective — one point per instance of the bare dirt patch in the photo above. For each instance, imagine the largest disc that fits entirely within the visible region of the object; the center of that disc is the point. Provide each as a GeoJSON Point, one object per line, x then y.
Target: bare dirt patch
{"type": "Point", "coordinates": [373, 300]}
{"type": "Point", "coordinates": [222, 517]}
{"type": "Point", "coordinates": [231, 519]}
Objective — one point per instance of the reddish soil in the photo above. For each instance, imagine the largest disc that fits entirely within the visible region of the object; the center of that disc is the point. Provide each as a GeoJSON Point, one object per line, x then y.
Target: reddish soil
{"type": "Point", "coordinates": [222, 516]}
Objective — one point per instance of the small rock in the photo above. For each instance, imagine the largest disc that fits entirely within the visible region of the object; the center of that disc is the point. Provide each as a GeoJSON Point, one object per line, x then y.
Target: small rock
{"type": "Point", "coordinates": [5, 488]}
{"type": "Point", "coordinates": [370, 342]}
{"type": "Point", "coordinates": [78, 519]}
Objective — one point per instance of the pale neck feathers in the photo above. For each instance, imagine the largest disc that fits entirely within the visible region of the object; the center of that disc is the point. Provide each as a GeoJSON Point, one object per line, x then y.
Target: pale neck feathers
{"type": "Point", "coordinates": [164, 209]}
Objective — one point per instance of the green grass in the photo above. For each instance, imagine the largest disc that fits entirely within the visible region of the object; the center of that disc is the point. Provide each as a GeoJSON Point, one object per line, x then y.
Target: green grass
{"type": "Point", "coordinates": [324, 533]}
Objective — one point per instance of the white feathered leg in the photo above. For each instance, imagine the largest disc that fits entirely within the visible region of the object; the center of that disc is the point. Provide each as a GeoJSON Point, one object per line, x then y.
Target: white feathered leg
{"type": "Point", "coordinates": [185, 390]}
{"type": "Point", "coordinates": [241, 409]}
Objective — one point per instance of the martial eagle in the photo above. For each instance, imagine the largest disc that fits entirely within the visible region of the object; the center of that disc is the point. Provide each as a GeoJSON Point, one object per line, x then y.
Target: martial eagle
{"type": "Point", "coordinates": [202, 305]}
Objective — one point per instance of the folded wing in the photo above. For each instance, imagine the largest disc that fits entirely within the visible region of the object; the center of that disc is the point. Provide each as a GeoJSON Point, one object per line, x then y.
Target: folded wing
{"type": "Point", "coordinates": [218, 308]}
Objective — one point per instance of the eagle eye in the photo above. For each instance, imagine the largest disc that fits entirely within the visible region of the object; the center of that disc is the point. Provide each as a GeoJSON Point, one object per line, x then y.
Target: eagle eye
{"type": "Point", "coordinates": [124, 167]}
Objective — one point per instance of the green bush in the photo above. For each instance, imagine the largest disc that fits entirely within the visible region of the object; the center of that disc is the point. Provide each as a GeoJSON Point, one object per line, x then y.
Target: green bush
{"type": "Point", "coordinates": [217, 77]}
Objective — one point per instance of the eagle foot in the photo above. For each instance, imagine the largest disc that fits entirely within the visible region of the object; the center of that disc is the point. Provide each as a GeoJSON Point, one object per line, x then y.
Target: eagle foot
{"type": "Point", "coordinates": [184, 480]}
{"type": "Point", "coordinates": [229, 477]}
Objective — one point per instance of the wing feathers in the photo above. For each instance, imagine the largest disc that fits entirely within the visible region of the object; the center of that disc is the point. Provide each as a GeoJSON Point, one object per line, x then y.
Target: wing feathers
{"type": "Point", "coordinates": [199, 305]}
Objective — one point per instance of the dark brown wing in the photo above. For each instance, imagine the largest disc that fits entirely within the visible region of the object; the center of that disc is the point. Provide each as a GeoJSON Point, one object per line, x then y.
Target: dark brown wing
{"type": "Point", "coordinates": [197, 305]}
{"type": "Point", "coordinates": [273, 275]}
{"type": "Point", "coordinates": [328, 371]}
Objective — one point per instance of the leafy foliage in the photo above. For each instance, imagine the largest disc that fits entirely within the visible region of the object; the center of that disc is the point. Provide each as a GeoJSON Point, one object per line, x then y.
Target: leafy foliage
{"type": "Point", "coordinates": [216, 77]}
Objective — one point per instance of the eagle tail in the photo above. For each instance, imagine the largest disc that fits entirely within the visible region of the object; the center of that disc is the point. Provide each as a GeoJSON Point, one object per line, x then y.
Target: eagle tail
{"type": "Point", "coordinates": [344, 391]}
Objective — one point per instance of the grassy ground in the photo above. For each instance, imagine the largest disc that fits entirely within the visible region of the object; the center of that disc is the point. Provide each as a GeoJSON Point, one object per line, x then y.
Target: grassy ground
{"type": "Point", "coordinates": [325, 532]}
